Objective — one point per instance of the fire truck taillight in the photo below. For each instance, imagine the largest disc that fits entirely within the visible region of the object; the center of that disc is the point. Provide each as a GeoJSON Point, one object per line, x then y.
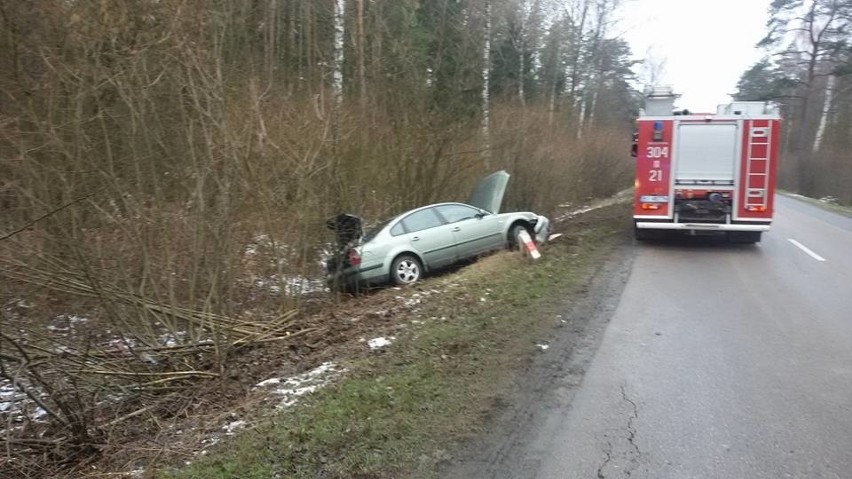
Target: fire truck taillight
{"type": "Point", "coordinates": [650, 206]}
{"type": "Point", "coordinates": [758, 209]}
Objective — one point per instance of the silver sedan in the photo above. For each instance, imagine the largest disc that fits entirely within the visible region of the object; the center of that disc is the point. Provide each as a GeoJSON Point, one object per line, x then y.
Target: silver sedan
{"type": "Point", "coordinates": [402, 249]}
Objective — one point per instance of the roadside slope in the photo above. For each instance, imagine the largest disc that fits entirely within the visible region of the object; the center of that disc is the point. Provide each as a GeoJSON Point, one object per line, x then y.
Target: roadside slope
{"type": "Point", "coordinates": [475, 355]}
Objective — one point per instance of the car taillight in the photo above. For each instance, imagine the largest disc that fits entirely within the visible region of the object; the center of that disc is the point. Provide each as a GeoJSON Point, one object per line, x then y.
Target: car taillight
{"type": "Point", "coordinates": [353, 257]}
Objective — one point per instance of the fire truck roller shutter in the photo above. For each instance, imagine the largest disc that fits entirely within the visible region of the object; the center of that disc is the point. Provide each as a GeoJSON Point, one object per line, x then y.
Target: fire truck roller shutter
{"type": "Point", "coordinates": [706, 152]}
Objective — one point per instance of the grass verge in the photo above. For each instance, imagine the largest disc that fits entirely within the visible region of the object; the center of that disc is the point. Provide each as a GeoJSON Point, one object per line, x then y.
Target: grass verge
{"type": "Point", "coordinates": [402, 412]}
{"type": "Point", "coordinates": [833, 207]}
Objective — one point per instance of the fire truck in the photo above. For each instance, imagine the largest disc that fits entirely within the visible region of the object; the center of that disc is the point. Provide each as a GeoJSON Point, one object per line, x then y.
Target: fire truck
{"type": "Point", "coordinates": [704, 173]}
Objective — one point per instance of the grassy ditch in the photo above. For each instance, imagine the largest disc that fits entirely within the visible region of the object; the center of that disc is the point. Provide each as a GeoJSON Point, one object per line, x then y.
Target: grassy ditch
{"type": "Point", "coordinates": [826, 205]}
{"type": "Point", "coordinates": [401, 412]}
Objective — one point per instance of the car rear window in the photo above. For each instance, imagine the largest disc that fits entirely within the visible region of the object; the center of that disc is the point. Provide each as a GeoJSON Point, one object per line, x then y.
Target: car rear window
{"type": "Point", "coordinates": [372, 232]}
{"type": "Point", "coordinates": [421, 220]}
{"type": "Point", "coordinates": [398, 229]}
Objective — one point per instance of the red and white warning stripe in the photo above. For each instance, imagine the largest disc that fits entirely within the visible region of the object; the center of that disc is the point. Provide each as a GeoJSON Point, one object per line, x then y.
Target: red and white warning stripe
{"type": "Point", "coordinates": [529, 244]}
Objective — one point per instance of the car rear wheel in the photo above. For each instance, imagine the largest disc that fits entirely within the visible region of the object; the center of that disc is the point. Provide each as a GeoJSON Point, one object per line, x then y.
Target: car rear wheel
{"type": "Point", "coordinates": [406, 269]}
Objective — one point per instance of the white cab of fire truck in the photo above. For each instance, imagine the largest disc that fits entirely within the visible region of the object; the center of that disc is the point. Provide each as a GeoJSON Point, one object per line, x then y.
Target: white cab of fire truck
{"type": "Point", "coordinates": [705, 173]}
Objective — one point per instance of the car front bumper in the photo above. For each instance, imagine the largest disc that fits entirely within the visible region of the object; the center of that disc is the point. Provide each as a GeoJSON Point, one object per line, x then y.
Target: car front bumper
{"type": "Point", "coordinates": [542, 229]}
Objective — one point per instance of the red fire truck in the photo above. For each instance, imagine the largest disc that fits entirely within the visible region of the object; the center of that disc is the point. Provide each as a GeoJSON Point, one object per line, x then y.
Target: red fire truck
{"type": "Point", "coordinates": [705, 173]}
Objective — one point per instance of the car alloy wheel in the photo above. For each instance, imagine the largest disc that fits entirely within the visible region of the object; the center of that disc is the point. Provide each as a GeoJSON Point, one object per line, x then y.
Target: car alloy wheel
{"type": "Point", "coordinates": [406, 269]}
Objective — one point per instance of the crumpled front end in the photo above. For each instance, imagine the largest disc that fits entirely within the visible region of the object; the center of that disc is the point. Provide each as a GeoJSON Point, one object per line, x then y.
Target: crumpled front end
{"type": "Point", "coordinates": [542, 229]}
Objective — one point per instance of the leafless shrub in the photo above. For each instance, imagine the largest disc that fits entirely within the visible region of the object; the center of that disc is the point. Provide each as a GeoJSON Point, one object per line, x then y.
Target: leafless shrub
{"type": "Point", "coordinates": [158, 181]}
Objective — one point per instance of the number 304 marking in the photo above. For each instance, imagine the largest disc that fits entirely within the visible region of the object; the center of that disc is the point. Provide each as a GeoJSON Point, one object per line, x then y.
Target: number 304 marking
{"type": "Point", "coordinates": [655, 175]}
{"type": "Point", "coordinates": [657, 151]}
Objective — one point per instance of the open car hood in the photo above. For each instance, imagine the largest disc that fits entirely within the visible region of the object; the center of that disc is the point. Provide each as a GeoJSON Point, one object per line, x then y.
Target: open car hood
{"type": "Point", "coordinates": [488, 193]}
{"type": "Point", "coordinates": [347, 227]}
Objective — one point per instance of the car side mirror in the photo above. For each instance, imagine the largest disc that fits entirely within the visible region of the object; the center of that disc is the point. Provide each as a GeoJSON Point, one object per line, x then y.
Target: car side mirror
{"type": "Point", "coordinates": [634, 150]}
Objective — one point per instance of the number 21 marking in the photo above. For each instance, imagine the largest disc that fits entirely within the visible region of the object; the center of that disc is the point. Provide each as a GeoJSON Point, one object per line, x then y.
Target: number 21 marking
{"type": "Point", "coordinates": [655, 175]}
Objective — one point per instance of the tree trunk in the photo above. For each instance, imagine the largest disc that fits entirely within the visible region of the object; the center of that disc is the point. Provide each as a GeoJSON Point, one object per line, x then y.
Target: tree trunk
{"type": "Point", "coordinates": [362, 68]}
{"type": "Point", "coordinates": [826, 108]}
{"type": "Point", "coordinates": [339, 31]}
{"type": "Point", "coordinates": [521, 46]}
{"type": "Point", "coordinates": [486, 85]}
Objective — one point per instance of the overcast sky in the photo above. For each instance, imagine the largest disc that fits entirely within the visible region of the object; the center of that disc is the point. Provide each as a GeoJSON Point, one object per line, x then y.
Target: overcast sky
{"type": "Point", "coordinates": [705, 44]}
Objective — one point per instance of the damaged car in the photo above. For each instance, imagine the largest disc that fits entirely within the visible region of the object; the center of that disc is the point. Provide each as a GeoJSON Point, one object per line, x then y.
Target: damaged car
{"type": "Point", "coordinates": [402, 249]}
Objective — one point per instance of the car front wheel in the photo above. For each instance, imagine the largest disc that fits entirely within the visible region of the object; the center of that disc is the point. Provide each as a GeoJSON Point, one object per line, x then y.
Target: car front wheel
{"type": "Point", "coordinates": [515, 242]}
{"type": "Point", "coordinates": [406, 269]}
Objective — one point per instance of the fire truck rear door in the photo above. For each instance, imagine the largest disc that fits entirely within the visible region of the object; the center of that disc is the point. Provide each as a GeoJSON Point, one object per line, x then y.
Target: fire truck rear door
{"type": "Point", "coordinates": [706, 153]}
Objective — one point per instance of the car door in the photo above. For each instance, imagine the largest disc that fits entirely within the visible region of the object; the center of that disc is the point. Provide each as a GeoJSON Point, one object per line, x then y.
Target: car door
{"type": "Point", "coordinates": [430, 237]}
{"type": "Point", "coordinates": [475, 231]}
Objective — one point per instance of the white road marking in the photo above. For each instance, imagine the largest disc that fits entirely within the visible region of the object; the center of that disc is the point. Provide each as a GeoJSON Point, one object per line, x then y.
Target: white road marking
{"type": "Point", "coordinates": [806, 250]}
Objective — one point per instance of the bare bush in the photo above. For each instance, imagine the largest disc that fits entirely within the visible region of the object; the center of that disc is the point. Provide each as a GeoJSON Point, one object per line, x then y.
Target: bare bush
{"type": "Point", "coordinates": [167, 168]}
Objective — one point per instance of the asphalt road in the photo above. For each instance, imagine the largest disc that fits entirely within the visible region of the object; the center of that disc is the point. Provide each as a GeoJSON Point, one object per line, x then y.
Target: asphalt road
{"type": "Point", "coordinates": [728, 361]}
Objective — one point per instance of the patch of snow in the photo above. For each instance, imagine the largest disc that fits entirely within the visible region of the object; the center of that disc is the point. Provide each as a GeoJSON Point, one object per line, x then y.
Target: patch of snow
{"type": "Point", "coordinates": [268, 382]}
{"type": "Point", "coordinates": [571, 214]}
{"type": "Point", "coordinates": [294, 387]}
{"type": "Point", "coordinates": [122, 342]}
{"type": "Point", "coordinates": [616, 198]}
{"type": "Point", "coordinates": [64, 323]}
{"type": "Point", "coordinates": [230, 429]}
{"type": "Point", "coordinates": [8, 396]}
{"type": "Point", "coordinates": [170, 340]}
{"type": "Point", "coordinates": [376, 344]}
{"type": "Point", "coordinates": [210, 441]}
{"type": "Point", "coordinates": [413, 301]}
{"type": "Point", "coordinates": [11, 399]}
{"type": "Point", "coordinates": [11, 307]}
{"type": "Point", "coordinates": [279, 253]}
{"type": "Point", "coordinates": [292, 285]}
{"type": "Point", "coordinates": [73, 318]}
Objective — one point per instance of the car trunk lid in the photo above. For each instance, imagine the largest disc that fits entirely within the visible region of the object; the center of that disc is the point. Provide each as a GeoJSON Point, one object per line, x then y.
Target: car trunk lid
{"type": "Point", "coordinates": [348, 228]}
